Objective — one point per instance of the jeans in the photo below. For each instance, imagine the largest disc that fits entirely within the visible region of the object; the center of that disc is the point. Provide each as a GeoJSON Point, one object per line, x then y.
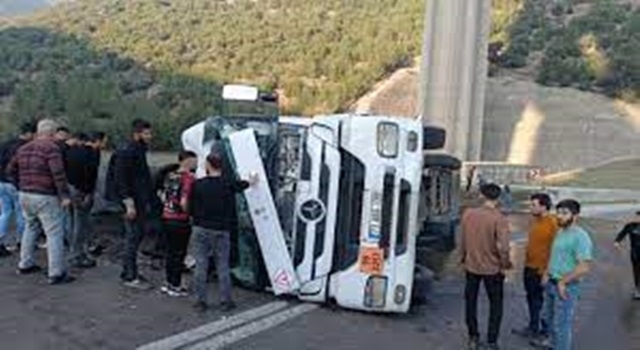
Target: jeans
{"type": "Point", "coordinates": [205, 241]}
{"type": "Point", "coordinates": [79, 226]}
{"type": "Point", "coordinates": [178, 234]}
{"type": "Point", "coordinates": [559, 314]}
{"type": "Point", "coordinates": [43, 211]}
{"type": "Point", "coordinates": [635, 263]}
{"type": "Point", "coordinates": [133, 234]}
{"type": "Point", "coordinates": [10, 204]}
{"type": "Point", "coordinates": [535, 298]}
{"type": "Point", "coordinates": [494, 286]}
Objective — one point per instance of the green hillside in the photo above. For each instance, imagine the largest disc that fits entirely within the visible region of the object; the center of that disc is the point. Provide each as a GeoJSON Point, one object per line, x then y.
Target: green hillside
{"type": "Point", "coordinates": [98, 63]}
{"type": "Point", "coordinates": [596, 49]}
{"type": "Point", "coordinates": [319, 53]}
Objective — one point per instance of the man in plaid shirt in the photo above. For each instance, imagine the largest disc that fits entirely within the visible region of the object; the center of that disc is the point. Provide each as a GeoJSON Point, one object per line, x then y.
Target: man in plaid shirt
{"type": "Point", "coordinates": [38, 169]}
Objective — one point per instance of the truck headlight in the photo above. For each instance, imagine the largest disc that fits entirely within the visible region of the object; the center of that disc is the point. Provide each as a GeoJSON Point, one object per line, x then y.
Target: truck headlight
{"type": "Point", "coordinates": [375, 292]}
{"type": "Point", "coordinates": [387, 139]}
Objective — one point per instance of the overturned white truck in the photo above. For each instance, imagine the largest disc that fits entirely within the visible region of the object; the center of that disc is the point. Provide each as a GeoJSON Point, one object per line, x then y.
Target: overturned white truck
{"type": "Point", "coordinates": [335, 216]}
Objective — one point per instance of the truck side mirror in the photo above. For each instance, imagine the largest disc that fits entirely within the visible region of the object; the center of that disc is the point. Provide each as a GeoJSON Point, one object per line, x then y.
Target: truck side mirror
{"type": "Point", "coordinates": [433, 138]}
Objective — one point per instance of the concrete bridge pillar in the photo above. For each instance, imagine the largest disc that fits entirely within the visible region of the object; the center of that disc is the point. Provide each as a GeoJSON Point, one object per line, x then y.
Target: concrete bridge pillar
{"type": "Point", "coordinates": [454, 72]}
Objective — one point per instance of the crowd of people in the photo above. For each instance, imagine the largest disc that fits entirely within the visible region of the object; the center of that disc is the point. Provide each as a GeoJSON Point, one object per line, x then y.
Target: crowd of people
{"type": "Point", "coordinates": [48, 179]}
{"type": "Point", "coordinates": [559, 254]}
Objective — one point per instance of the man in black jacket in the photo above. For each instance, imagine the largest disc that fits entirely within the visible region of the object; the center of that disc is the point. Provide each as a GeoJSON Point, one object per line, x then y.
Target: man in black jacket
{"type": "Point", "coordinates": [632, 229]}
{"type": "Point", "coordinates": [8, 192]}
{"type": "Point", "coordinates": [82, 171]}
{"type": "Point", "coordinates": [129, 183]}
{"type": "Point", "coordinates": [212, 208]}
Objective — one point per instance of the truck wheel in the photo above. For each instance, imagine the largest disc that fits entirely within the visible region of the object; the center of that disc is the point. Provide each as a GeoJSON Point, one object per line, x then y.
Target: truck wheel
{"type": "Point", "coordinates": [442, 161]}
{"type": "Point", "coordinates": [422, 285]}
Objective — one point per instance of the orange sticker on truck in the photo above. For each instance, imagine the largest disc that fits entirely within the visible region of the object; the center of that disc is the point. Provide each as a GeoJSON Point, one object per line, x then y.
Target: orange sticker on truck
{"type": "Point", "coordinates": [371, 260]}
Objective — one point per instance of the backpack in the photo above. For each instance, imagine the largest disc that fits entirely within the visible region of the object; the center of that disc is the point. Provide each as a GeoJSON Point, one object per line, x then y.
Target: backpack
{"type": "Point", "coordinates": [171, 193]}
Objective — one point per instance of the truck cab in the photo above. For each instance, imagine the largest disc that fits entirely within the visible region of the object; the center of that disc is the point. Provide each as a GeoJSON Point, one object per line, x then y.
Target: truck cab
{"type": "Point", "coordinates": [347, 191]}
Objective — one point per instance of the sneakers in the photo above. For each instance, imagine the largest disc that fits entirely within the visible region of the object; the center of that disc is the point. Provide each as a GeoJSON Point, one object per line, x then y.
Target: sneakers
{"type": "Point", "coordinates": [541, 343]}
{"type": "Point", "coordinates": [84, 263]}
{"type": "Point", "coordinates": [227, 306]}
{"type": "Point", "coordinates": [491, 346]}
{"type": "Point", "coordinates": [172, 291]}
{"type": "Point", "coordinates": [62, 279]}
{"type": "Point", "coordinates": [138, 283]}
{"type": "Point", "coordinates": [200, 306]}
{"type": "Point", "coordinates": [29, 270]}
{"type": "Point", "coordinates": [4, 252]}
{"type": "Point", "coordinates": [14, 248]}
{"type": "Point", "coordinates": [636, 294]}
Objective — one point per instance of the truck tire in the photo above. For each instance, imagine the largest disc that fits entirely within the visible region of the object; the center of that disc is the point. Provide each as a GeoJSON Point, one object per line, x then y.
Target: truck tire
{"type": "Point", "coordinates": [422, 285]}
{"type": "Point", "coordinates": [441, 161]}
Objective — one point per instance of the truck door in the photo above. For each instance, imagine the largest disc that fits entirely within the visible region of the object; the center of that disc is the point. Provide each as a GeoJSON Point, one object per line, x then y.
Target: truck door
{"type": "Point", "coordinates": [264, 215]}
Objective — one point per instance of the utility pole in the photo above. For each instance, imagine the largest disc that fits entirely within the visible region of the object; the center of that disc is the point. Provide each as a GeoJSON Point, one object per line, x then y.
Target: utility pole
{"type": "Point", "coordinates": [454, 72]}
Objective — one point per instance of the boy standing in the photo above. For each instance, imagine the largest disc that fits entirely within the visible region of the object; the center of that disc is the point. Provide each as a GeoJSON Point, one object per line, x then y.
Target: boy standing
{"type": "Point", "coordinates": [212, 206]}
{"type": "Point", "coordinates": [175, 192]}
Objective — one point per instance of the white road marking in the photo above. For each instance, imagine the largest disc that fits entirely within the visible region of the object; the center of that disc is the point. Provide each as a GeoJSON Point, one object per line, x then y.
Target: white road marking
{"type": "Point", "coordinates": [252, 328]}
{"type": "Point", "coordinates": [210, 329]}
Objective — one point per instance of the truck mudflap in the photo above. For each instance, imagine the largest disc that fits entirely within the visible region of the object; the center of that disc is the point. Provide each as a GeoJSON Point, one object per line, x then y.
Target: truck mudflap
{"type": "Point", "coordinates": [264, 215]}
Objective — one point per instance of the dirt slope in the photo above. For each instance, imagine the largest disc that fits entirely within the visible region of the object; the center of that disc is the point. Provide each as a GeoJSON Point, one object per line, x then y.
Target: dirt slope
{"type": "Point", "coordinates": [525, 123]}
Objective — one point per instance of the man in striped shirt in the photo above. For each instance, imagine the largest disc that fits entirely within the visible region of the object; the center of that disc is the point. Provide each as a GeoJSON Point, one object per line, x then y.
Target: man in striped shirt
{"type": "Point", "coordinates": [38, 169]}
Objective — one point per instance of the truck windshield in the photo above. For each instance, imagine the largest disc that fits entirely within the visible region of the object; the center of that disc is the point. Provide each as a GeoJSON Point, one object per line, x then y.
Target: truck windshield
{"type": "Point", "coordinates": [351, 189]}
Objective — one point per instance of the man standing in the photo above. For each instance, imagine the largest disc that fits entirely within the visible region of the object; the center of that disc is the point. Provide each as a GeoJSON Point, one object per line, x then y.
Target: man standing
{"type": "Point", "coordinates": [9, 203]}
{"type": "Point", "coordinates": [484, 247]}
{"type": "Point", "coordinates": [571, 256]}
{"type": "Point", "coordinates": [38, 168]}
{"type": "Point", "coordinates": [82, 172]}
{"type": "Point", "coordinates": [212, 207]}
{"type": "Point", "coordinates": [542, 231]}
{"type": "Point", "coordinates": [129, 183]}
{"type": "Point", "coordinates": [632, 229]}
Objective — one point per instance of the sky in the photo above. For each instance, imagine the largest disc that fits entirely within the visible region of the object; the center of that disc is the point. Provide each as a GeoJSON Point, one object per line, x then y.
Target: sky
{"type": "Point", "coordinates": [21, 7]}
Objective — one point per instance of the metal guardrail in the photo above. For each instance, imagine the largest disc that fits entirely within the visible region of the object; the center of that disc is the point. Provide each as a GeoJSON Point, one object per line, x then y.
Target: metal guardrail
{"type": "Point", "coordinates": [502, 173]}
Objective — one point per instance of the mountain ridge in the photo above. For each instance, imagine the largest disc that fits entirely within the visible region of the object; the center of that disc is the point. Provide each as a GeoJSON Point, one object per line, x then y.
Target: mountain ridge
{"type": "Point", "coordinates": [320, 56]}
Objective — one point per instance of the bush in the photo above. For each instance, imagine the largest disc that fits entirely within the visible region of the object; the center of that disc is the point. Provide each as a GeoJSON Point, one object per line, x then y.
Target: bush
{"type": "Point", "coordinates": [600, 52]}
{"type": "Point", "coordinates": [528, 32]}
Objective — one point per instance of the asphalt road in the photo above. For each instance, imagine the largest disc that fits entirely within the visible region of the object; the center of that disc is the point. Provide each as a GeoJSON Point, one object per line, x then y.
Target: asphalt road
{"type": "Point", "coordinates": [97, 313]}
